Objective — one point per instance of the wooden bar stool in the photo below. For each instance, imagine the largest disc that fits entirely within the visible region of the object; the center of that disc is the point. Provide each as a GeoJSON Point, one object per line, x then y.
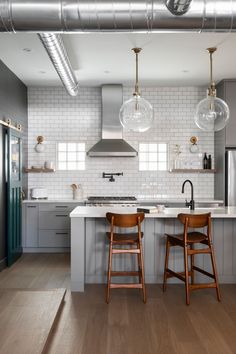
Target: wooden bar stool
{"type": "Point", "coordinates": [187, 240]}
{"type": "Point", "coordinates": [134, 243]}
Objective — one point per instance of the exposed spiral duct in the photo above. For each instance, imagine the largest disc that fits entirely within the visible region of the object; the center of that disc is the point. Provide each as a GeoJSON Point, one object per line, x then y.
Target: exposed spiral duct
{"type": "Point", "coordinates": [117, 15]}
{"type": "Point", "coordinates": [48, 16]}
{"type": "Point", "coordinates": [55, 48]}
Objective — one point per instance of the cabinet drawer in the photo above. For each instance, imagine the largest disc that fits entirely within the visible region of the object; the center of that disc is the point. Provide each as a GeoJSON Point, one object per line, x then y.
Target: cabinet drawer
{"type": "Point", "coordinates": [54, 238]}
{"type": "Point", "coordinates": [54, 220]}
{"type": "Point", "coordinates": [57, 207]}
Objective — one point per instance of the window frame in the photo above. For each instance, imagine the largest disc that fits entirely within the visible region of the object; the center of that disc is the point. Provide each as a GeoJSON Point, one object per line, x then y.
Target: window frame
{"type": "Point", "coordinates": [76, 161]}
{"type": "Point", "coordinates": [155, 160]}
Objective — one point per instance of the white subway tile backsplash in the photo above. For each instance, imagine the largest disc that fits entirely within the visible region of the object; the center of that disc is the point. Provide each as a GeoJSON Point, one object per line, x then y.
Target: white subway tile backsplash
{"type": "Point", "coordinates": [60, 118]}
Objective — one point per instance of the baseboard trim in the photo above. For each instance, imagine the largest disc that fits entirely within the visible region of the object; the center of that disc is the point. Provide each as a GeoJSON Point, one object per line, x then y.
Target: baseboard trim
{"type": "Point", "coordinates": [46, 250]}
{"type": "Point", "coordinates": [3, 264]}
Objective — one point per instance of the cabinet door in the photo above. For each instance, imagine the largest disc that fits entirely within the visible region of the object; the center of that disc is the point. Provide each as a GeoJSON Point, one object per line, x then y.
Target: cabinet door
{"type": "Point", "coordinates": [31, 225]}
{"type": "Point", "coordinates": [230, 98]}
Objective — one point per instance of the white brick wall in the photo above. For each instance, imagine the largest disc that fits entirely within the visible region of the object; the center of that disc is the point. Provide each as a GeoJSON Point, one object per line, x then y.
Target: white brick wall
{"type": "Point", "coordinates": [58, 117]}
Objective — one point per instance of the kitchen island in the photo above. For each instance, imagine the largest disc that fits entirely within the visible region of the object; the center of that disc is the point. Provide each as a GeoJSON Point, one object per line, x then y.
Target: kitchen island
{"type": "Point", "coordinates": [89, 246]}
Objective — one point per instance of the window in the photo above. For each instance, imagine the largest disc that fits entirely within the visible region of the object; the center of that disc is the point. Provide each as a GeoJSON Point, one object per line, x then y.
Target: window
{"type": "Point", "coordinates": [71, 156]}
{"type": "Point", "coordinates": [153, 157]}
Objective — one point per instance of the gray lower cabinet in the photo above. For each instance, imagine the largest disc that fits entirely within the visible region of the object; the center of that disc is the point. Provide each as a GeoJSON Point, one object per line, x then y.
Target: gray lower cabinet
{"type": "Point", "coordinates": [54, 238]}
{"type": "Point", "coordinates": [30, 225]}
{"type": "Point", "coordinates": [54, 220]}
{"type": "Point", "coordinates": [46, 226]}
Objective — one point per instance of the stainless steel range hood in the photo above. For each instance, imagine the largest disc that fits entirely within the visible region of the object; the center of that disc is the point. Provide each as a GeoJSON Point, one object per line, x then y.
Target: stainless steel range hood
{"type": "Point", "coordinates": [112, 143]}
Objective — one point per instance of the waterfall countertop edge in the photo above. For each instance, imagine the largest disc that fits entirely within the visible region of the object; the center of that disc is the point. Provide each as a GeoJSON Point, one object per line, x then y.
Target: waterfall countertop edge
{"type": "Point", "coordinates": [100, 212]}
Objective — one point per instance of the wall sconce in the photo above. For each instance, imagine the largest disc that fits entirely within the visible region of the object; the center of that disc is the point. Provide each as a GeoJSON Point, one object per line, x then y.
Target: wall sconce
{"type": "Point", "coordinates": [194, 147]}
{"type": "Point", "coordinates": [40, 147]}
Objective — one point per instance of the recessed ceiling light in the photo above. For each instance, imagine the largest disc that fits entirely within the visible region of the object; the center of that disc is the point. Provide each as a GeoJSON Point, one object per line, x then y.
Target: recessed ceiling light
{"type": "Point", "coordinates": [42, 72]}
{"type": "Point", "coordinates": [106, 72]}
{"type": "Point", "coordinates": [27, 50]}
{"type": "Point", "coordinates": [185, 71]}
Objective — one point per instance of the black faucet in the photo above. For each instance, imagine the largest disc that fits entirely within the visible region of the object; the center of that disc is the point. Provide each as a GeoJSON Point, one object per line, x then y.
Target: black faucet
{"type": "Point", "coordinates": [111, 176]}
{"type": "Point", "coordinates": [190, 204]}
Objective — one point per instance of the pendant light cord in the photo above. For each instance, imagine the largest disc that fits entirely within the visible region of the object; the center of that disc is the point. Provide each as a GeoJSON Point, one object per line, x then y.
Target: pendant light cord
{"type": "Point", "coordinates": [136, 90]}
{"type": "Point", "coordinates": [211, 75]}
{"type": "Point", "coordinates": [211, 89]}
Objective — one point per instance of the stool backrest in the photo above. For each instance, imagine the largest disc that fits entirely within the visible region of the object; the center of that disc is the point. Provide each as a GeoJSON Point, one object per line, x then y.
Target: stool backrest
{"type": "Point", "coordinates": [125, 220]}
{"type": "Point", "coordinates": [195, 221]}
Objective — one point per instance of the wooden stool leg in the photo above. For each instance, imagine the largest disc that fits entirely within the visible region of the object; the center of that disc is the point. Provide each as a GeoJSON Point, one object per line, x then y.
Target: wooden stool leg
{"type": "Point", "coordinates": [166, 263]}
{"type": "Point", "coordinates": [213, 261]}
{"type": "Point", "coordinates": [109, 273]}
{"type": "Point", "coordinates": [139, 268]}
{"type": "Point", "coordinates": [186, 274]}
{"type": "Point", "coordinates": [142, 273]}
{"type": "Point", "coordinates": [192, 265]}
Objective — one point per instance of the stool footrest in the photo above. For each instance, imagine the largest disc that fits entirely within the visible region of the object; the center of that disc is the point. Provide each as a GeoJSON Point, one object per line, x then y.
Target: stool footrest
{"type": "Point", "coordinates": [204, 272]}
{"type": "Point", "coordinates": [120, 251]}
{"type": "Point", "coordinates": [202, 286]}
{"type": "Point", "coordinates": [128, 286]}
{"type": "Point", "coordinates": [199, 251]}
{"type": "Point", "coordinates": [171, 273]}
{"type": "Point", "coordinates": [124, 273]}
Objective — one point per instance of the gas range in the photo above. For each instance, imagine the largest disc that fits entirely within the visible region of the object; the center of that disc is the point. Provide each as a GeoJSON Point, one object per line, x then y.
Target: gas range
{"type": "Point", "coordinates": [112, 201]}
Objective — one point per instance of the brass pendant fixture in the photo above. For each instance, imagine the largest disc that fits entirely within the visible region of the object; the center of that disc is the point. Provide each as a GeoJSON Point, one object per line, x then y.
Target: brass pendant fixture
{"type": "Point", "coordinates": [136, 114]}
{"type": "Point", "coordinates": [212, 113]}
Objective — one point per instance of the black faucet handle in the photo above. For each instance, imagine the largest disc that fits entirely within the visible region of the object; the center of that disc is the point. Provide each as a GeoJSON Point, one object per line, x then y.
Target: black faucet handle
{"type": "Point", "coordinates": [187, 204]}
{"type": "Point", "coordinates": [190, 204]}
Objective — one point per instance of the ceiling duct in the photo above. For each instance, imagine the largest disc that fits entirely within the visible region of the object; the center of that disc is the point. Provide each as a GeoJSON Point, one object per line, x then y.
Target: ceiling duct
{"type": "Point", "coordinates": [117, 16]}
{"type": "Point", "coordinates": [55, 48]}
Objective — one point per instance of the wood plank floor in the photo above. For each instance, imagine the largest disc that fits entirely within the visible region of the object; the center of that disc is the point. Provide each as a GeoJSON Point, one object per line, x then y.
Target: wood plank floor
{"type": "Point", "coordinates": [165, 325]}
{"type": "Point", "coordinates": [27, 317]}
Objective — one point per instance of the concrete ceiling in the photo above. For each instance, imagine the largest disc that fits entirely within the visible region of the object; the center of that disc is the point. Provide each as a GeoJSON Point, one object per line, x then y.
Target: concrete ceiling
{"type": "Point", "coordinates": [166, 59]}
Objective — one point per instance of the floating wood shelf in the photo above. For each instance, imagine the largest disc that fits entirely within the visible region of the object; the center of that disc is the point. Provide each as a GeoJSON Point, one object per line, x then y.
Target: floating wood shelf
{"type": "Point", "coordinates": [191, 170]}
{"type": "Point", "coordinates": [38, 170]}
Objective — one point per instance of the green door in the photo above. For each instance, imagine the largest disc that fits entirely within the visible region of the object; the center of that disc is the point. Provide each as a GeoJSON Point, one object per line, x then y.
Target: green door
{"type": "Point", "coordinates": [14, 188]}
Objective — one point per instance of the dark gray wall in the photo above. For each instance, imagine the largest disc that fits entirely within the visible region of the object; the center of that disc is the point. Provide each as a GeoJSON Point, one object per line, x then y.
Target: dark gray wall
{"type": "Point", "coordinates": [13, 105]}
{"type": "Point", "coordinates": [13, 96]}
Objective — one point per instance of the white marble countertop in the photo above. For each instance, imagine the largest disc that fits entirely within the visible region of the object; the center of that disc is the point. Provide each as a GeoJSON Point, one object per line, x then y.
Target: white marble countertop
{"type": "Point", "coordinates": [72, 201]}
{"type": "Point", "coordinates": [179, 200]}
{"type": "Point", "coordinates": [100, 212]}
{"type": "Point", "coordinates": [151, 201]}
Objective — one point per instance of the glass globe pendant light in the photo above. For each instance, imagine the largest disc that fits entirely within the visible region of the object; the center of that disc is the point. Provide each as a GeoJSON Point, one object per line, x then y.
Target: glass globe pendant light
{"type": "Point", "coordinates": [136, 114]}
{"type": "Point", "coordinates": [212, 113]}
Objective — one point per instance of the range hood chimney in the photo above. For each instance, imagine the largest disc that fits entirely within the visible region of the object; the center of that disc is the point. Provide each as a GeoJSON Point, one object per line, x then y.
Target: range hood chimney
{"type": "Point", "coordinates": [112, 143]}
